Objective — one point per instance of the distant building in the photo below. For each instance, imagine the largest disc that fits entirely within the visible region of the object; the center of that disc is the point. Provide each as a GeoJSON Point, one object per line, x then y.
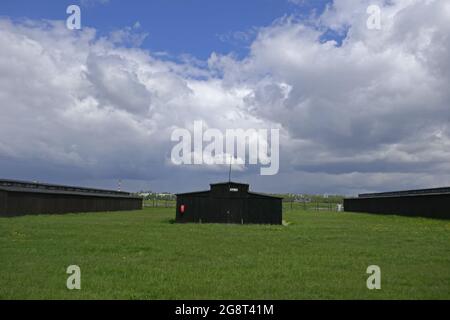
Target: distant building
{"type": "Point", "coordinates": [22, 198]}
{"type": "Point", "coordinates": [165, 194]}
{"type": "Point", "coordinates": [144, 194]}
{"type": "Point", "coordinates": [228, 202]}
{"type": "Point", "coordinates": [303, 200]}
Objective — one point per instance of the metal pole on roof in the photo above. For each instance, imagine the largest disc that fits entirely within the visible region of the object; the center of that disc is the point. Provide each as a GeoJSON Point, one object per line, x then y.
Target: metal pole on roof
{"type": "Point", "coordinates": [229, 172]}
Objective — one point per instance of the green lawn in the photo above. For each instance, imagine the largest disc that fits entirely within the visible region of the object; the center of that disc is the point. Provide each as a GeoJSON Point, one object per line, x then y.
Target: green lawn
{"type": "Point", "coordinates": [142, 255]}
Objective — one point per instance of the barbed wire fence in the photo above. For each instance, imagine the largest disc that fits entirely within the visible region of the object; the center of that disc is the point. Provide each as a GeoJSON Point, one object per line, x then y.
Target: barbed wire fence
{"type": "Point", "coordinates": [314, 203]}
{"type": "Point", "coordinates": [160, 202]}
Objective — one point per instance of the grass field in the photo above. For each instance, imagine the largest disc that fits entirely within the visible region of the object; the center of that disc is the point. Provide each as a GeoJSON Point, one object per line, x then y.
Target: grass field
{"type": "Point", "coordinates": [143, 255]}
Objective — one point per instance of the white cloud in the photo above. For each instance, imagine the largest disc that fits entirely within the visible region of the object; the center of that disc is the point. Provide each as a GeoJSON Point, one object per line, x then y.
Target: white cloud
{"type": "Point", "coordinates": [128, 36]}
{"type": "Point", "coordinates": [370, 114]}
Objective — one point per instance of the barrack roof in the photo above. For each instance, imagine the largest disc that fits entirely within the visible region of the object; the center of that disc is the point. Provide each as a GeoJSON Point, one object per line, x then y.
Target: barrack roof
{"type": "Point", "coordinates": [36, 187]}
{"type": "Point", "coordinates": [444, 190]}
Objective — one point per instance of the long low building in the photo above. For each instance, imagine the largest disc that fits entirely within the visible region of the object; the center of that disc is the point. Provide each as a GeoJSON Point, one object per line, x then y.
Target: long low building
{"type": "Point", "coordinates": [228, 202]}
{"type": "Point", "coordinates": [431, 203]}
{"type": "Point", "coordinates": [22, 198]}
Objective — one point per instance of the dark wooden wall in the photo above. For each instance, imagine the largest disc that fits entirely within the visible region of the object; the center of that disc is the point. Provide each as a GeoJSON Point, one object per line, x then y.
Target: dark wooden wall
{"type": "Point", "coordinates": [210, 208]}
{"type": "Point", "coordinates": [431, 206]}
{"type": "Point", "coordinates": [24, 203]}
{"type": "Point", "coordinates": [3, 200]}
{"type": "Point", "coordinates": [264, 210]}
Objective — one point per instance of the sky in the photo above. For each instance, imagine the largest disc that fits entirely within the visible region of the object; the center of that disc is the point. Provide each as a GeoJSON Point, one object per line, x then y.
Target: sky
{"type": "Point", "coordinates": [175, 27]}
{"type": "Point", "coordinates": [358, 109]}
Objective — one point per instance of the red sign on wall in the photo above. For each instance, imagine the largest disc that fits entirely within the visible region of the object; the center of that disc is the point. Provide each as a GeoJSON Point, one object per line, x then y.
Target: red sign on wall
{"type": "Point", "coordinates": [182, 208]}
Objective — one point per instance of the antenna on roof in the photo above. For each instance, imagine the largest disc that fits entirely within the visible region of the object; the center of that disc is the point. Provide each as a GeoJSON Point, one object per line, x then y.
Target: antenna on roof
{"type": "Point", "coordinates": [229, 172]}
